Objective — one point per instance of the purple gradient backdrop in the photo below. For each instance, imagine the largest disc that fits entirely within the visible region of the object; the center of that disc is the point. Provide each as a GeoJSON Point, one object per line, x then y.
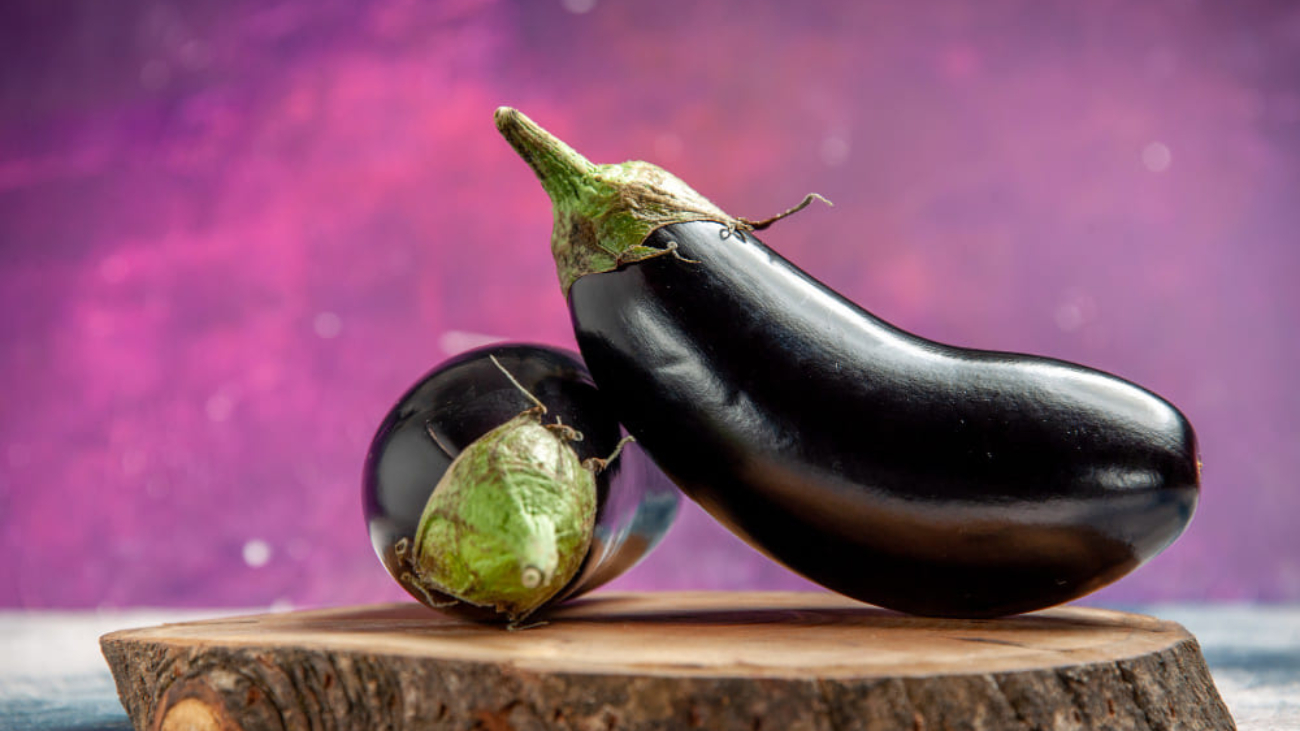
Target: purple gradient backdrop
{"type": "Point", "coordinates": [231, 233]}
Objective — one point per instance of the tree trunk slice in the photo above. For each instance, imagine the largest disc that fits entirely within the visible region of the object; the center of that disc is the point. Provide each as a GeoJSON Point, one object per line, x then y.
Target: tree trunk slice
{"type": "Point", "coordinates": [710, 660]}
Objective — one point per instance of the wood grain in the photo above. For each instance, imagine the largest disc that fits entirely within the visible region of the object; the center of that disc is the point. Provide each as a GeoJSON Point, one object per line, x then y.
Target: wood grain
{"type": "Point", "coordinates": [713, 660]}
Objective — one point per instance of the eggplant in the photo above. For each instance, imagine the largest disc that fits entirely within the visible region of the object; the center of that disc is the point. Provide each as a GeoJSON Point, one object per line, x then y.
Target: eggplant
{"type": "Point", "coordinates": [918, 476]}
{"type": "Point", "coordinates": [482, 399]}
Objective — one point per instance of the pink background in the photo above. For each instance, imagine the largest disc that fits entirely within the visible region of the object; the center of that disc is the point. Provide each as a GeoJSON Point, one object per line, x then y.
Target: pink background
{"type": "Point", "coordinates": [232, 233]}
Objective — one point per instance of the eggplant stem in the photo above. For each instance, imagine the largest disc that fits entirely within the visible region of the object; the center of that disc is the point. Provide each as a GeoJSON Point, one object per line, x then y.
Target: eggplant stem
{"type": "Point", "coordinates": [597, 465]}
{"type": "Point", "coordinates": [563, 431]}
{"type": "Point", "coordinates": [671, 250]}
{"type": "Point", "coordinates": [518, 385]}
{"type": "Point", "coordinates": [760, 225]}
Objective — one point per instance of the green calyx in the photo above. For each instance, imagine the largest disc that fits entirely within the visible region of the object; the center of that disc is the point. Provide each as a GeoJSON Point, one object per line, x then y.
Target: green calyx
{"type": "Point", "coordinates": [510, 522]}
{"type": "Point", "coordinates": [603, 213]}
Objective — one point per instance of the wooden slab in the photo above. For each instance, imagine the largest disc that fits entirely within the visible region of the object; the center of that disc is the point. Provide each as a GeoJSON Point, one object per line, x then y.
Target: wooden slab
{"type": "Point", "coordinates": [711, 660]}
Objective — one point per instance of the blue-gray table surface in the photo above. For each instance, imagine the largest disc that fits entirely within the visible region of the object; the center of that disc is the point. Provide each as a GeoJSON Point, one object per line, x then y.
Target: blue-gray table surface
{"type": "Point", "coordinates": [53, 678]}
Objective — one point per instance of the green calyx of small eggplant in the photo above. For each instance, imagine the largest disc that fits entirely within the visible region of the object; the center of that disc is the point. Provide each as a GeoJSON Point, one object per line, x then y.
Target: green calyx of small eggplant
{"type": "Point", "coordinates": [603, 213]}
{"type": "Point", "coordinates": [510, 522]}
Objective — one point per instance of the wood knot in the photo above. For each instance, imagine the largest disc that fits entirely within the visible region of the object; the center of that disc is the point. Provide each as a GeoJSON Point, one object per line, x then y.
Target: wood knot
{"type": "Point", "coordinates": [223, 700]}
{"type": "Point", "coordinates": [192, 714]}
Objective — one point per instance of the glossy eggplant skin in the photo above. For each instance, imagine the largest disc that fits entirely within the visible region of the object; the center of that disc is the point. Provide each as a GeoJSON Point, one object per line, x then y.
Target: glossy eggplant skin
{"type": "Point", "coordinates": [467, 396]}
{"type": "Point", "coordinates": [913, 475]}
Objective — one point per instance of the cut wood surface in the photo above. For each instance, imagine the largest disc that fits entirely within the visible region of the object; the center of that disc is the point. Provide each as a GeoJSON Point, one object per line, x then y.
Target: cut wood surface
{"type": "Point", "coordinates": [711, 660]}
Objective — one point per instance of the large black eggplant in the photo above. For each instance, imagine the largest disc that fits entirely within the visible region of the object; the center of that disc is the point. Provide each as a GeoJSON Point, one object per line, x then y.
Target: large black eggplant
{"type": "Point", "coordinates": [914, 475]}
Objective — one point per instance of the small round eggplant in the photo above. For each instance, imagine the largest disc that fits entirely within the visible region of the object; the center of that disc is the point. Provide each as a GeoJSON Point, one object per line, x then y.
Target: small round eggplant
{"type": "Point", "coordinates": [900, 471]}
{"type": "Point", "coordinates": [468, 408]}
